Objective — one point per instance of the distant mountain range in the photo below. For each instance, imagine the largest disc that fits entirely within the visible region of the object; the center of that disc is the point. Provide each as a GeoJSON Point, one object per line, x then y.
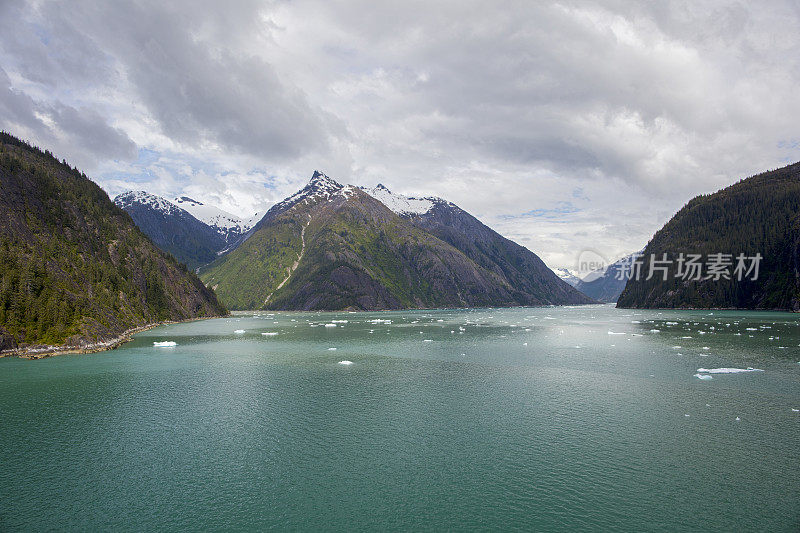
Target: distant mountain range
{"type": "Point", "coordinates": [603, 285]}
{"type": "Point", "coordinates": [606, 285]}
{"type": "Point", "coordinates": [334, 246]}
{"type": "Point", "coordinates": [173, 229]}
{"type": "Point", "coordinates": [75, 269]}
{"type": "Point", "coordinates": [227, 225]}
{"type": "Point", "coordinates": [568, 276]}
{"type": "Point", "coordinates": [757, 215]}
{"type": "Point", "coordinates": [195, 233]}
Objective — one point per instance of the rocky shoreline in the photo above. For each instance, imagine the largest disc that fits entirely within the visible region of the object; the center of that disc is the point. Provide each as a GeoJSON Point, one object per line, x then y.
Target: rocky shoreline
{"type": "Point", "coordinates": [42, 351]}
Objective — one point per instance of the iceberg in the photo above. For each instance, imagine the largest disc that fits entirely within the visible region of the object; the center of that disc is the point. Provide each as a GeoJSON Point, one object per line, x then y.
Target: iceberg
{"type": "Point", "coordinates": [164, 344]}
{"type": "Point", "coordinates": [703, 376]}
{"type": "Point", "coordinates": [345, 362]}
{"type": "Point", "coordinates": [728, 370]}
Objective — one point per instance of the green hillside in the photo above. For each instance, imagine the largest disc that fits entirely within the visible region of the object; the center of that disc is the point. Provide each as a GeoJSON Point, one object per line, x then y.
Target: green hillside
{"type": "Point", "coordinates": [74, 268]}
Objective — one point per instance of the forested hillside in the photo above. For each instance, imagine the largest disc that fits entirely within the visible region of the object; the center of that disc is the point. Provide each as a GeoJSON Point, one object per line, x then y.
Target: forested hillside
{"type": "Point", "coordinates": [74, 268]}
{"type": "Point", "coordinates": [758, 215]}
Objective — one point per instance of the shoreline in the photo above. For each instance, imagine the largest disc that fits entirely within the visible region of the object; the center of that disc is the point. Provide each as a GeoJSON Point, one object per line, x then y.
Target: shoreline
{"type": "Point", "coordinates": [42, 352]}
{"type": "Point", "coordinates": [771, 310]}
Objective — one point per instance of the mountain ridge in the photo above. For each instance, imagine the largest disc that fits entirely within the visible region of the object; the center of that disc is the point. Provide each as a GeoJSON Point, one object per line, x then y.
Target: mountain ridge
{"type": "Point", "coordinates": [172, 228]}
{"type": "Point", "coordinates": [357, 253]}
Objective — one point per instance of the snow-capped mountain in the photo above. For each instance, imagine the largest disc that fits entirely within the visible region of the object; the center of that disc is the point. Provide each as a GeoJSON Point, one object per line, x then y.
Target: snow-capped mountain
{"type": "Point", "coordinates": [567, 275]}
{"type": "Point", "coordinates": [228, 225]}
{"type": "Point", "coordinates": [172, 228]}
{"type": "Point", "coordinates": [320, 187]}
{"type": "Point", "coordinates": [333, 246]}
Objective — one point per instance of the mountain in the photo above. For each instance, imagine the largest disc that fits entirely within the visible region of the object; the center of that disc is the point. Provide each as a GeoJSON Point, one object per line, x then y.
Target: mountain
{"type": "Point", "coordinates": [606, 285]}
{"type": "Point", "coordinates": [567, 275]}
{"type": "Point", "coordinates": [74, 268]}
{"type": "Point", "coordinates": [228, 226]}
{"type": "Point", "coordinates": [172, 229]}
{"type": "Point", "coordinates": [757, 215]}
{"type": "Point", "coordinates": [331, 246]}
{"type": "Point", "coordinates": [532, 281]}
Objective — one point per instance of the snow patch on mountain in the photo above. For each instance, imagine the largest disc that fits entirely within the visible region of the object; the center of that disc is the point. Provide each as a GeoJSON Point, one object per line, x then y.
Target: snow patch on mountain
{"type": "Point", "coordinates": [567, 275]}
{"type": "Point", "coordinates": [152, 201]}
{"type": "Point", "coordinates": [211, 215]}
{"type": "Point", "coordinates": [402, 205]}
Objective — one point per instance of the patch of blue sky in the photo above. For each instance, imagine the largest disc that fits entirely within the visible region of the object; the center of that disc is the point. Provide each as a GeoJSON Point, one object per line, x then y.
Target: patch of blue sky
{"type": "Point", "coordinates": [557, 211]}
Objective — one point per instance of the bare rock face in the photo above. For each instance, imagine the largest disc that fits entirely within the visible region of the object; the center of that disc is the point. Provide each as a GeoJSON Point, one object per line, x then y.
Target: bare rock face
{"type": "Point", "coordinates": [7, 341]}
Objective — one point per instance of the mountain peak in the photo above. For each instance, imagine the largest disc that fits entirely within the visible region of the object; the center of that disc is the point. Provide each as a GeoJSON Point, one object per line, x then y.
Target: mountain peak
{"type": "Point", "coordinates": [153, 201]}
{"type": "Point", "coordinates": [320, 181]}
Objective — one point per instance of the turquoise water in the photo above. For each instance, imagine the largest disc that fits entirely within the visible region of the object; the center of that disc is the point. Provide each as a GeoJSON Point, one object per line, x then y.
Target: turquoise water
{"type": "Point", "coordinates": [528, 419]}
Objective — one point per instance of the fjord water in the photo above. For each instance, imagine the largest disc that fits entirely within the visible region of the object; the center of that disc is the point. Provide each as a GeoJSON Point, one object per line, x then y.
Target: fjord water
{"type": "Point", "coordinates": [534, 419]}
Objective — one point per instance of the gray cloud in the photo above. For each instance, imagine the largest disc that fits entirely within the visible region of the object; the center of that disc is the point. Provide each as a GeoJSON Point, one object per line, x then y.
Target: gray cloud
{"type": "Point", "coordinates": [80, 132]}
{"type": "Point", "coordinates": [198, 91]}
{"type": "Point", "coordinates": [637, 104]}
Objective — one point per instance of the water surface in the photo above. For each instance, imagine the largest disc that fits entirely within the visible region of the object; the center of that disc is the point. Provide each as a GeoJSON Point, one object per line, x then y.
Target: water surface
{"type": "Point", "coordinates": [528, 419]}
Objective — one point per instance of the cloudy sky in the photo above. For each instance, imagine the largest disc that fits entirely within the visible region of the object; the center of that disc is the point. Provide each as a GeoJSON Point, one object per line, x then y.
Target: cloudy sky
{"type": "Point", "coordinates": [565, 126]}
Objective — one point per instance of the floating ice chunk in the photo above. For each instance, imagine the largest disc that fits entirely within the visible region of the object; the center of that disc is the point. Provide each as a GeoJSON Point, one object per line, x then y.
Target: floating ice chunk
{"type": "Point", "coordinates": [615, 333]}
{"type": "Point", "coordinates": [330, 325]}
{"type": "Point", "coordinates": [729, 370]}
{"type": "Point", "coordinates": [339, 321]}
{"type": "Point", "coordinates": [795, 410]}
{"type": "Point", "coordinates": [331, 349]}
{"type": "Point", "coordinates": [524, 343]}
{"type": "Point", "coordinates": [239, 331]}
{"type": "Point", "coordinates": [751, 329]}
{"type": "Point", "coordinates": [706, 348]}
{"type": "Point", "coordinates": [270, 333]}
{"type": "Point", "coordinates": [164, 344]}
{"type": "Point", "coordinates": [655, 331]}
{"type": "Point", "coordinates": [738, 419]}
{"type": "Point", "coordinates": [345, 362]}
{"type": "Point", "coordinates": [703, 376]}
{"type": "Point", "coordinates": [427, 340]}
{"type": "Point", "coordinates": [687, 416]}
